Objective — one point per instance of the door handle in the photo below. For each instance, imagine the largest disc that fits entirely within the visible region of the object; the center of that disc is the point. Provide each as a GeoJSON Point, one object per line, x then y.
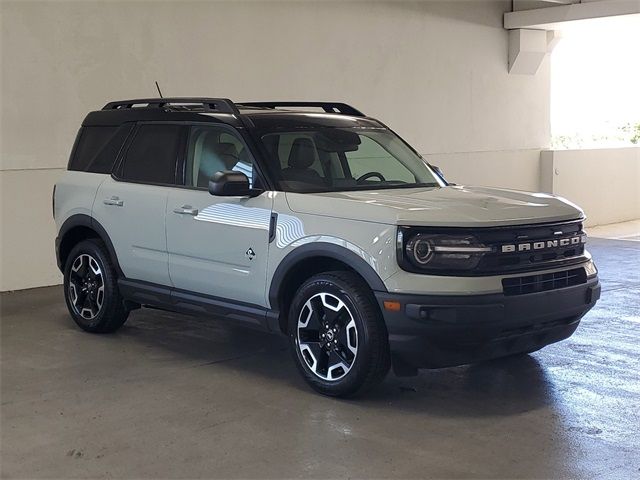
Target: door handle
{"type": "Point", "coordinates": [186, 210]}
{"type": "Point", "coordinates": [115, 201]}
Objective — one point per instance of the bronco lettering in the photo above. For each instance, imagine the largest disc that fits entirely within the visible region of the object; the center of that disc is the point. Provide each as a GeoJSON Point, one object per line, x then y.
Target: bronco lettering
{"type": "Point", "coordinates": [543, 245]}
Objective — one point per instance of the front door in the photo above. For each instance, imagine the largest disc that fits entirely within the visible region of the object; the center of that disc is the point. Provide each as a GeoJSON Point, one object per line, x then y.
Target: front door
{"type": "Point", "coordinates": [218, 246]}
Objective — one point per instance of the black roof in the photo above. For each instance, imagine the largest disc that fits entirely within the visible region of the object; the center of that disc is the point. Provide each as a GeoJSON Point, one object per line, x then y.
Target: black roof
{"type": "Point", "coordinates": [245, 114]}
{"type": "Point", "coordinates": [293, 119]}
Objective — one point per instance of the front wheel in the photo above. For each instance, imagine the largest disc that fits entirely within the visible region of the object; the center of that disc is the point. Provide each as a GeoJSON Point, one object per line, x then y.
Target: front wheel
{"type": "Point", "coordinates": [337, 334]}
{"type": "Point", "coordinates": [91, 289]}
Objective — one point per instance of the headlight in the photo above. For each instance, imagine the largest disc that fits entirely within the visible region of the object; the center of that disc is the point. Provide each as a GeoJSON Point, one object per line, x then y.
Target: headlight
{"type": "Point", "coordinates": [420, 250]}
{"type": "Point", "coordinates": [424, 252]}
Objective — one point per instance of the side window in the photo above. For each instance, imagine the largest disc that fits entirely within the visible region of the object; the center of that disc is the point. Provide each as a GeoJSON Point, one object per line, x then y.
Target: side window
{"type": "Point", "coordinates": [91, 140]}
{"type": "Point", "coordinates": [105, 160]}
{"type": "Point", "coordinates": [153, 154]}
{"type": "Point", "coordinates": [212, 149]}
{"type": "Point", "coordinates": [372, 157]}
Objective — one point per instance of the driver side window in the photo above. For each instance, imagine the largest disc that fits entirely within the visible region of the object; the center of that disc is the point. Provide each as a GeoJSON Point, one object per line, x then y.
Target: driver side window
{"type": "Point", "coordinates": [371, 157]}
{"type": "Point", "coordinates": [212, 149]}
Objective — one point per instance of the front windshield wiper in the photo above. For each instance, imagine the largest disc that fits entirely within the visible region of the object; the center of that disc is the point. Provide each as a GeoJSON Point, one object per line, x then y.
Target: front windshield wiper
{"type": "Point", "coordinates": [398, 185]}
{"type": "Point", "coordinates": [418, 185]}
{"type": "Point", "coordinates": [372, 187]}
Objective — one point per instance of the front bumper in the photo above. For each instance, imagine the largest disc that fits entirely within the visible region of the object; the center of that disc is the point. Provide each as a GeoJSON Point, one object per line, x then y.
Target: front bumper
{"type": "Point", "coordinates": [434, 331]}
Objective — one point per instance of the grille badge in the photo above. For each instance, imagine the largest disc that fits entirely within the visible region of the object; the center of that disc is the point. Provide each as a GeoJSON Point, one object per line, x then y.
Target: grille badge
{"type": "Point", "coordinates": [543, 244]}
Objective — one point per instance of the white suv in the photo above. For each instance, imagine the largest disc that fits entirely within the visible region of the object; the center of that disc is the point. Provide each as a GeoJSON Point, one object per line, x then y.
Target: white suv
{"type": "Point", "coordinates": [317, 222]}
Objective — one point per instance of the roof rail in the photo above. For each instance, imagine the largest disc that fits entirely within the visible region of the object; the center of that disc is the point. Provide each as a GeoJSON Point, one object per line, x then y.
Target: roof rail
{"type": "Point", "coordinates": [222, 105]}
{"type": "Point", "coordinates": [329, 107]}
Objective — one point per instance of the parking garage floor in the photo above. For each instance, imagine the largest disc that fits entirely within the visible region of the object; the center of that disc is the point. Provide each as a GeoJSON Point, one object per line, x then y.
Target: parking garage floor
{"type": "Point", "coordinates": [178, 397]}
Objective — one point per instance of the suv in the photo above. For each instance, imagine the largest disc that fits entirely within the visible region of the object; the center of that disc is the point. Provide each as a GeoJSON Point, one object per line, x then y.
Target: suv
{"type": "Point", "coordinates": [315, 221]}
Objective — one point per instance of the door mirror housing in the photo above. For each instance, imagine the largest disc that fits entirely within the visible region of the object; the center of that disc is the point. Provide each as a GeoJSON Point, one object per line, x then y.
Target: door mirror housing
{"type": "Point", "coordinates": [228, 183]}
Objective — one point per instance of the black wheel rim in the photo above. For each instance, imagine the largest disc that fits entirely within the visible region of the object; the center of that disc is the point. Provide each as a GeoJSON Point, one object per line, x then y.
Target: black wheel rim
{"type": "Point", "coordinates": [327, 337]}
{"type": "Point", "coordinates": [86, 286]}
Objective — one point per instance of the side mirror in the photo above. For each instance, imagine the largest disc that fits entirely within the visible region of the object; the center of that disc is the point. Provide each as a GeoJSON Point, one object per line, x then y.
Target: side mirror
{"type": "Point", "coordinates": [228, 183]}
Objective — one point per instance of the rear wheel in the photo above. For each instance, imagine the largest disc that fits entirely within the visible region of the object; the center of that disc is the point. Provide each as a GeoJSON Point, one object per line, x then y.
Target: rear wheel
{"type": "Point", "coordinates": [91, 289]}
{"type": "Point", "coordinates": [337, 334]}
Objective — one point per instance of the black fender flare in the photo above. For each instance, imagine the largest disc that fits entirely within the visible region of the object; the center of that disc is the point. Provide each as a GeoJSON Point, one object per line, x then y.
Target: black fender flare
{"type": "Point", "coordinates": [322, 249]}
{"type": "Point", "coordinates": [83, 220]}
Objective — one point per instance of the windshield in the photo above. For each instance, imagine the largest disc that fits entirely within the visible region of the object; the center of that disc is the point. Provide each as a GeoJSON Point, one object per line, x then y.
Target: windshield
{"type": "Point", "coordinates": [338, 159]}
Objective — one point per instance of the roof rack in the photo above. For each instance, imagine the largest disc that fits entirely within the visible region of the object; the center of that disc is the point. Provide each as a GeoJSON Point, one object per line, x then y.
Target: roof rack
{"type": "Point", "coordinates": [220, 105]}
{"type": "Point", "coordinates": [329, 107]}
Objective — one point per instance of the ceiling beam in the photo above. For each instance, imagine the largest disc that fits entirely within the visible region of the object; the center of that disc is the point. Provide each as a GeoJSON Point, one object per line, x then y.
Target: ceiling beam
{"type": "Point", "coordinates": [550, 18]}
{"type": "Point", "coordinates": [531, 4]}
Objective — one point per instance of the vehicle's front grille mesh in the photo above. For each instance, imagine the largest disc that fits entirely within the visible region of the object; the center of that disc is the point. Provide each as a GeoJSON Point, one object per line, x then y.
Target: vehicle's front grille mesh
{"type": "Point", "coordinates": [519, 248]}
{"type": "Point", "coordinates": [498, 262]}
{"type": "Point", "coordinates": [544, 282]}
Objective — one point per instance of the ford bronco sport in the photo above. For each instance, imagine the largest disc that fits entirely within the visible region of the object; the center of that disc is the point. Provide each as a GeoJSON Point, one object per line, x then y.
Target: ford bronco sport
{"type": "Point", "coordinates": [317, 222]}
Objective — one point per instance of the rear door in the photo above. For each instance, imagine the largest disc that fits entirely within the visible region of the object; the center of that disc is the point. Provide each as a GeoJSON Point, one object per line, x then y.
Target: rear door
{"type": "Point", "coordinates": [131, 204]}
{"type": "Point", "coordinates": [218, 246]}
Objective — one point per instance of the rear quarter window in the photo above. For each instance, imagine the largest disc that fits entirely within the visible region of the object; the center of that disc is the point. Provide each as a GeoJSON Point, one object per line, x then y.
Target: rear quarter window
{"type": "Point", "coordinates": [97, 148]}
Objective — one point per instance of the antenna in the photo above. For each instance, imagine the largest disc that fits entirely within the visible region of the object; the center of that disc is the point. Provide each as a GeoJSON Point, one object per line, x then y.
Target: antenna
{"type": "Point", "coordinates": [158, 87]}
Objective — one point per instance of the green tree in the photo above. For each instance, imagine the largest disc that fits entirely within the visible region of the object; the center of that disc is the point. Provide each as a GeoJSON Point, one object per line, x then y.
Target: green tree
{"type": "Point", "coordinates": [633, 131]}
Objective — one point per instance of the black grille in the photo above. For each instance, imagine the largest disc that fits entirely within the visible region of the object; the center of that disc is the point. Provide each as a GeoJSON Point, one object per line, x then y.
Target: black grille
{"type": "Point", "coordinates": [544, 282]}
{"type": "Point", "coordinates": [500, 262]}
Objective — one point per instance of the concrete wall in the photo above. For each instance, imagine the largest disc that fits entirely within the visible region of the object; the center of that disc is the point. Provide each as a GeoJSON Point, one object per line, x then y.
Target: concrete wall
{"type": "Point", "coordinates": [519, 169]}
{"type": "Point", "coordinates": [604, 182]}
{"type": "Point", "coordinates": [436, 72]}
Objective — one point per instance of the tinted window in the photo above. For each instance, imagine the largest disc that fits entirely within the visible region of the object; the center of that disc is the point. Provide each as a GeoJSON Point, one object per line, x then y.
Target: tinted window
{"type": "Point", "coordinates": [103, 162]}
{"type": "Point", "coordinates": [213, 149]}
{"type": "Point", "coordinates": [152, 156]}
{"type": "Point", "coordinates": [91, 141]}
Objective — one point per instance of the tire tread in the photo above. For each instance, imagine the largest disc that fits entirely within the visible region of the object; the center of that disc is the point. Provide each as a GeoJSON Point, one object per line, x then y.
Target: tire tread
{"type": "Point", "coordinates": [114, 313]}
{"type": "Point", "coordinates": [378, 362]}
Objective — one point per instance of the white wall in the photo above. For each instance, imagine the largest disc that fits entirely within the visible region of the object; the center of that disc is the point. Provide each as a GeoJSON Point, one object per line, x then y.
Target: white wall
{"type": "Point", "coordinates": [604, 182]}
{"type": "Point", "coordinates": [436, 72]}
{"type": "Point", "coordinates": [518, 169]}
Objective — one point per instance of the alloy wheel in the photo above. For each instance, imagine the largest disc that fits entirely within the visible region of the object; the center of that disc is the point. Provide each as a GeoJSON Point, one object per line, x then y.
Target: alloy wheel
{"type": "Point", "coordinates": [86, 286]}
{"type": "Point", "coordinates": [327, 336]}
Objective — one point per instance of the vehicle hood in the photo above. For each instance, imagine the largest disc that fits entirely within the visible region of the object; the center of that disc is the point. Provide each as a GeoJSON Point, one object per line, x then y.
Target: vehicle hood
{"type": "Point", "coordinates": [453, 206]}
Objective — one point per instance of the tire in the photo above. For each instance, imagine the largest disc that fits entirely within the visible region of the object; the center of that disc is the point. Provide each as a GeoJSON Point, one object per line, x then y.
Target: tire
{"type": "Point", "coordinates": [352, 355]}
{"type": "Point", "coordinates": [91, 288]}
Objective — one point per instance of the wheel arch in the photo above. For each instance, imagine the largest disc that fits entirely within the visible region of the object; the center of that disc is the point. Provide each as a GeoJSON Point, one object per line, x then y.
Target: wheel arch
{"type": "Point", "coordinates": [311, 259]}
{"type": "Point", "coordinates": [81, 227]}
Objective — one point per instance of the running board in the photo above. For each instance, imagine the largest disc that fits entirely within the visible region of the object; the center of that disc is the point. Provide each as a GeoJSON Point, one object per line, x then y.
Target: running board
{"type": "Point", "coordinates": [181, 301]}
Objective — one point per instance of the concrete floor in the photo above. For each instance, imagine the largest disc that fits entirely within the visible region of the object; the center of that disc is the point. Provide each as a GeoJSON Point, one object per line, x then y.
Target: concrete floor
{"type": "Point", "coordinates": [177, 397]}
{"type": "Point", "coordinates": [620, 231]}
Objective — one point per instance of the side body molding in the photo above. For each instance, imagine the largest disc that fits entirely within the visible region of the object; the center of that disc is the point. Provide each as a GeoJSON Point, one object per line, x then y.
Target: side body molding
{"type": "Point", "coordinates": [318, 250]}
